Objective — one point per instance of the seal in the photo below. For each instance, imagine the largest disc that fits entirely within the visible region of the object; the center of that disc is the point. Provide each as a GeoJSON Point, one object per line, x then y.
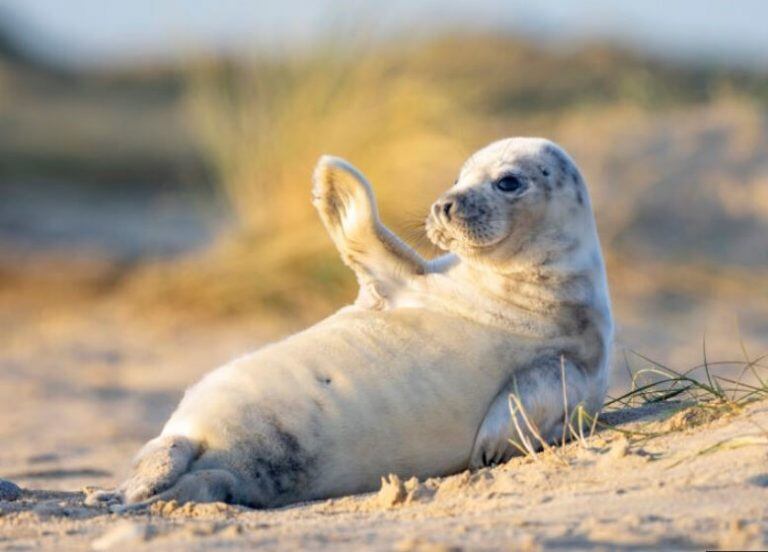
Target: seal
{"type": "Point", "coordinates": [415, 377]}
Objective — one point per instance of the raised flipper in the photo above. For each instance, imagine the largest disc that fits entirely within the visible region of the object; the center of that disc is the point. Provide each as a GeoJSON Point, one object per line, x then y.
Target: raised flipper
{"type": "Point", "coordinates": [346, 204]}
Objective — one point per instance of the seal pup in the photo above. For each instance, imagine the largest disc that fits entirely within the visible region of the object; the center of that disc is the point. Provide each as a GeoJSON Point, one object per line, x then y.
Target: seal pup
{"type": "Point", "coordinates": [414, 377]}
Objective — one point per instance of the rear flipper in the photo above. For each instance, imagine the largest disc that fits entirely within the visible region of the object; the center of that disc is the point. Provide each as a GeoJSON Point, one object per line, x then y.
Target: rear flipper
{"type": "Point", "coordinates": [196, 486]}
{"type": "Point", "coordinates": [158, 466]}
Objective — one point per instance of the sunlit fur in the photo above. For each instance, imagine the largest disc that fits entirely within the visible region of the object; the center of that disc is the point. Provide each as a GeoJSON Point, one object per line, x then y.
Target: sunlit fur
{"type": "Point", "coordinates": [415, 377]}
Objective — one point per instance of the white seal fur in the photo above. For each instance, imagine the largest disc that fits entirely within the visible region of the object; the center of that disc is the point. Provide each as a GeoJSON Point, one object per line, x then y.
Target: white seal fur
{"type": "Point", "coordinates": [415, 377]}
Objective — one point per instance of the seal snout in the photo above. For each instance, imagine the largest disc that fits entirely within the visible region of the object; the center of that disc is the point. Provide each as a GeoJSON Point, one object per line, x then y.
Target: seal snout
{"type": "Point", "coordinates": [468, 208]}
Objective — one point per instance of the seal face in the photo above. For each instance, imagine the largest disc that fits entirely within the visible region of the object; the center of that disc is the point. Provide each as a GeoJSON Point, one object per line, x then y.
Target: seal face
{"type": "Point", "coordinates": [507, 195]}
{"type": "Point", "coordinates": [497, 341]}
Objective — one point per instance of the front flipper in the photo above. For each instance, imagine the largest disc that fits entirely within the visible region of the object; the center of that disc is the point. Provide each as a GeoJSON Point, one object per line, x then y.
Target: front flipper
{"type": "Point", "coordinates": [537, 415]}
{"type": "Point", "coordinates": [346, 204]}
{"type": "Point", "coordinates": [492, 443]}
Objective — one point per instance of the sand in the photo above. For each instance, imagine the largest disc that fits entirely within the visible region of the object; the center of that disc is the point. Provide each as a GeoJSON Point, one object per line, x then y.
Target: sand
{"type": "Point", "coordinates": [85, 379]}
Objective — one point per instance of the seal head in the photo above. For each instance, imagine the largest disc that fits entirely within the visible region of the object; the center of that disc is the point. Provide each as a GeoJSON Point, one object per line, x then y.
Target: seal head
{"type": "Point", "coordinates": [517, 198]}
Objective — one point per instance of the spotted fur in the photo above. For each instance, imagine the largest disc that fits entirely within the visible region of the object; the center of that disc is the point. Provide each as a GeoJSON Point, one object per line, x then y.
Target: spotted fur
{"type": "Point", "coordinates": [415, 377]}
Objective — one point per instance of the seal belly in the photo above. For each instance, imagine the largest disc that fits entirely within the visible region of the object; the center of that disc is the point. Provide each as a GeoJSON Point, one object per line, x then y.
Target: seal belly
{"type": "Point", "coordinates": [355, 397]}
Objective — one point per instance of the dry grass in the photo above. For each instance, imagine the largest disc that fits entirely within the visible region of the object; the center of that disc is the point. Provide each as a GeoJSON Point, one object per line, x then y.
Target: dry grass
{"type": "Point", "coordinates": [692, 397]}
{"type": "Point", "coordinates": [262, 128]}
{"type": "Point", "coordinates": [407, 116]}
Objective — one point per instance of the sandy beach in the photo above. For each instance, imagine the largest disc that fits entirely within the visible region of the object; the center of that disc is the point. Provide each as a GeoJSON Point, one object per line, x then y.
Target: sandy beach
{"type": "Point", "coordinates": [86, 380]}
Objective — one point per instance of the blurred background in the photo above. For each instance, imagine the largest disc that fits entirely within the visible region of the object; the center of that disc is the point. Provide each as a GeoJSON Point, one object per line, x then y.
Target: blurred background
{"type": "Point", "coordinates": [155, 162]}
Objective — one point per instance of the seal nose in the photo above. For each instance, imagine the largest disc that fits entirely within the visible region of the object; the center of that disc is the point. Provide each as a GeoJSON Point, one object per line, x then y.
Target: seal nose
{"type": "Point", "coordinates": [444, 207]}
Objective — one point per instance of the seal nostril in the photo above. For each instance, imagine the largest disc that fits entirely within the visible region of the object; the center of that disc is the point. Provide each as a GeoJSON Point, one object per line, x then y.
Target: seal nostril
{"type": "Point", "coordinates": [447, 208]}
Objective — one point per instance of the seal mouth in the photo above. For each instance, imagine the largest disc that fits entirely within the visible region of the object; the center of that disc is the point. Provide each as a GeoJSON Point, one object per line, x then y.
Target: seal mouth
{"type": "Point", "coordinates": [438, 234]}
{"type": "Point", "coordinates": [444, 235]}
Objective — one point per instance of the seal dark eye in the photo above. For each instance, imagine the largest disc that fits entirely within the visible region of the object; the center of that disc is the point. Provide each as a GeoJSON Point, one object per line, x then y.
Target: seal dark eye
{"type": "Point", "coordinates": [509, 183]}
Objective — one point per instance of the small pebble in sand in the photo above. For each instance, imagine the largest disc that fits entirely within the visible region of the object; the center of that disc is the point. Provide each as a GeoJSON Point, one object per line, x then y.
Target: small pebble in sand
{"type": "Point", "coordinates": [392, 491]}
{"type": "Point", "coordinates": [96, 497]}
{"type": "Point", "coordinates": [8, 490]}
{"type": "Point", "coordinates": [618, 449]}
